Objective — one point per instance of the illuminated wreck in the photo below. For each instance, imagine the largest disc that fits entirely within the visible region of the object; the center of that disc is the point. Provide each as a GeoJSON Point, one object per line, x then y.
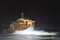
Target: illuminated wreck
{"type": "Point", "coordinates": [21, 24]}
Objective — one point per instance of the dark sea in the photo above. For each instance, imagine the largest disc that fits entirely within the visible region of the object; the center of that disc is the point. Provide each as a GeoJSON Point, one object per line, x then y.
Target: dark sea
{"type": "Point", "coordinates": [27, 37]}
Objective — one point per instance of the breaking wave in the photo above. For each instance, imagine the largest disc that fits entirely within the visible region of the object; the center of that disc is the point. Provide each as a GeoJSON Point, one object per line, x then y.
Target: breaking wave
{"type": "Point", "coordinates": [31, 31]}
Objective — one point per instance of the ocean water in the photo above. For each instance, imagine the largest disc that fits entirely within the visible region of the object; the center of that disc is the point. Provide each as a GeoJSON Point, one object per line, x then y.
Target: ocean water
{"type": "Point", "coordinates": [27, 37]}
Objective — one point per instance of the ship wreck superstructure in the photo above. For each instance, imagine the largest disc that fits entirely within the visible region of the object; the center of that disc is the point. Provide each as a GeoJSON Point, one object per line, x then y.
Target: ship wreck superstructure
{"type": "Point", "coordinates": [21, 24]}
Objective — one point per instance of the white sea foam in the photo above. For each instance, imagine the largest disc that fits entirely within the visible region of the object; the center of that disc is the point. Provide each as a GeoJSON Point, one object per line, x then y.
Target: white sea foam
{"type": "Point", "coordinates": [31, 31]}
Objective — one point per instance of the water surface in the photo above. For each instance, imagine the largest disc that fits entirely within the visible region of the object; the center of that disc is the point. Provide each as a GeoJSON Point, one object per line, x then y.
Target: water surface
{"type": "Point", "coordinates": [27, 37]}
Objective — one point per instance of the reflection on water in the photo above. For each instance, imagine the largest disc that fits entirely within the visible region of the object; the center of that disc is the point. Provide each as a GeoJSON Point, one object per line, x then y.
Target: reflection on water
{"type": "Point", "coordinates": [24, 37]}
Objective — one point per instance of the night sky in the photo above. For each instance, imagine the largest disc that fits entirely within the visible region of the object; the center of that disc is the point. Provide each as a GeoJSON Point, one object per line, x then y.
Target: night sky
{"type": "Point", "coordinates": [45, 13]}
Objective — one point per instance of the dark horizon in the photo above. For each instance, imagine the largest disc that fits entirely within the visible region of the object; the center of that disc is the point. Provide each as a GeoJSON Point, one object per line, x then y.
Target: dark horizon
{"type": "Point", "coordinates": [45, 13]}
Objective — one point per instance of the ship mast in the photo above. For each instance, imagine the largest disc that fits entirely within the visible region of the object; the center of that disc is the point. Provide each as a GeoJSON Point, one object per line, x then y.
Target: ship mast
{"type": "Point", "coordinates": [22, 15]}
